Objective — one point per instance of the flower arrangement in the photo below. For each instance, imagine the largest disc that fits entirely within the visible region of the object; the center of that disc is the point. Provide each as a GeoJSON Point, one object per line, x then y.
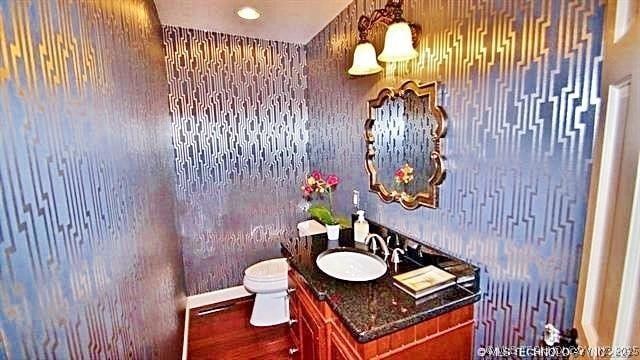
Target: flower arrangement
{"type": "Point", "coordinates": [318, 187]}
{"type": "Point", "coordinates": [404, 175]}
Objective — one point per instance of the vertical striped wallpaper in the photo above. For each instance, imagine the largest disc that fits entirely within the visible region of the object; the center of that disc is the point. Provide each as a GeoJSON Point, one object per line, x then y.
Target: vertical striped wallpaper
{"type": "Point", "coordinates": [239, 120]}
{"type": "Point", "coordinates": [90, 263]}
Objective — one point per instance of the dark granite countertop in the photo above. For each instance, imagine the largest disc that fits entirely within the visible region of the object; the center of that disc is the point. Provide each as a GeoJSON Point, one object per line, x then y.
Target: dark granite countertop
{"type": "Point", "coordinates": [377, 308]}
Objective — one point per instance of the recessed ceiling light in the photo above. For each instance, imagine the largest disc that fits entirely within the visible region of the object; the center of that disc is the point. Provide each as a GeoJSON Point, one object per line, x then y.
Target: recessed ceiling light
{"type": "Point", "coordinates": [248, 13]}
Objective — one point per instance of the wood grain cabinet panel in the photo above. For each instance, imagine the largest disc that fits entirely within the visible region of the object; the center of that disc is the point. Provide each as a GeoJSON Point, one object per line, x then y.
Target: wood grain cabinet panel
{"type": "Point", "coordinates": [294, 326]}
{"type": "Point", "coordinates": [320, 335]}
{"type": "Point", "coordinates": [337, 349]}
{"type": "Point", "coordinates": [310, 327]}
{"type": "Point", "coordinates": [310, 338]}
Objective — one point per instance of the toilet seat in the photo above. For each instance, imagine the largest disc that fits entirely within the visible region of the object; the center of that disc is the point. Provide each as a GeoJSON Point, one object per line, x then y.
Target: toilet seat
{"type": "Point", "coordinates": [268, 270]}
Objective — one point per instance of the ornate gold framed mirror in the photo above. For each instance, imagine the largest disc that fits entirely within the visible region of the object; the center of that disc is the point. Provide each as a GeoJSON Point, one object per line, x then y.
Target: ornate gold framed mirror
{"type": "Point", "coordinates": [403, 135]}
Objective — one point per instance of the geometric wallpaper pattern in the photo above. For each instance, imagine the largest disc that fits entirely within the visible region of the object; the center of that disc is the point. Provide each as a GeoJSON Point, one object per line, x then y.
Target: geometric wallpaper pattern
{"type": "Point", "coordinates": [239, 119]}
{"type": "Point", "coordinates": [521, 83]}
{"type": "Point", "coordinates": [90, 263]}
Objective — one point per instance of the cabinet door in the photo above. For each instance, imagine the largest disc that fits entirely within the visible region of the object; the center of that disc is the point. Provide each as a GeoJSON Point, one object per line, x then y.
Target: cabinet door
{"type": "Point", "coordinates": [310, 328]}
{"type": "Point", "coordinates": [309, 339]}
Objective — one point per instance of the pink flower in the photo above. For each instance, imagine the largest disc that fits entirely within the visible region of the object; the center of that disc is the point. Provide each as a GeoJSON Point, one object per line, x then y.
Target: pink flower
{"type": "Point", "coordinates": [332, 180]}
{"type": "Point", "coordinates": [399, 173]}
{"type": "Point", "coordinates": [316, 175]}
{"type": "Point", "coordinates": [307, 190]}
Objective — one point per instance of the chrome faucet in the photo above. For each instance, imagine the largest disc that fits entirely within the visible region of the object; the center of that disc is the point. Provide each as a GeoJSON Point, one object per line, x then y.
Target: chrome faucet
{"type": "Point", "coordinates": [374, 247]}
{"type": "Point", "coordinates": [395, 256]}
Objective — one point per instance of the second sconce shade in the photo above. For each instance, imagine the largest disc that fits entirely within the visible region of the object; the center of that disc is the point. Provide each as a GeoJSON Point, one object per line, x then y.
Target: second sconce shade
{"type": "Point", "coordinates": [398, 44]}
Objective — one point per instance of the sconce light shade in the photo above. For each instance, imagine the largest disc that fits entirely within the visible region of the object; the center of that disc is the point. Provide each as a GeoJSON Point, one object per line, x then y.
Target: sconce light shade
{"type": "Point", "coordinates": [364, 60]}
{"type": "Point", "coordinates": [398, 45]}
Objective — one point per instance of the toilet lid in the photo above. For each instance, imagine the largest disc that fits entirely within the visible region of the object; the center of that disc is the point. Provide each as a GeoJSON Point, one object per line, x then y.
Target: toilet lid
{"type": "Point", "coordinates": [268, 270]}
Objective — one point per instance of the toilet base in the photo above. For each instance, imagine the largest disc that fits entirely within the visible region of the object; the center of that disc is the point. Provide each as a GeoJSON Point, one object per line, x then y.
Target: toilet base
{"type": "Point", "coordinates": [270, 309]}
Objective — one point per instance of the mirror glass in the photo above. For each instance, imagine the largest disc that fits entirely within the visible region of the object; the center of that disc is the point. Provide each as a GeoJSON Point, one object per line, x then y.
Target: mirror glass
{"type": "Point", "coordinates": [403, 136]}
{"type": "Point", "coordinates": [403, 141]}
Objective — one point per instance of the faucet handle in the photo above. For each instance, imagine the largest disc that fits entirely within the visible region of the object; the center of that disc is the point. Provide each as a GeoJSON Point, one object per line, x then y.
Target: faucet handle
{"type": "Point", "coordinates": [397, 239]}
{"type": "Point", "coordinates": [419, 250]}
{"type": "Point", "coordinates": [395, 255]}
{"type": "Point", "coordinates": [413, 245]}
{"type": "Point", "coordinates": [374, 245]}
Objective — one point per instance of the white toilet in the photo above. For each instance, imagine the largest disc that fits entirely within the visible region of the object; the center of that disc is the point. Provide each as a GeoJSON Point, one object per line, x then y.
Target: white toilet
{"type": "Point", "coordinates": [268, 280]}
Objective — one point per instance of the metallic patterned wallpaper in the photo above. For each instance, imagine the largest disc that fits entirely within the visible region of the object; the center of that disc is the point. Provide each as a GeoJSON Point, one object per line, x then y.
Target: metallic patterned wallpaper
{"type": "Point", "coordinates": [90, 263]}
{"type": "Point", "coordinates": [522, 95]}
{"type": "Point", "coordinates": [240, 139]}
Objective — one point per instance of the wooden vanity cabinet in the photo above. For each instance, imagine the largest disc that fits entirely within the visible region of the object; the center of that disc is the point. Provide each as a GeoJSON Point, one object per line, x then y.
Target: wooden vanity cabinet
{"type": "Point", "coordinates": [309, 321]}
{"type": "Point", "coordinates": [318, 334]}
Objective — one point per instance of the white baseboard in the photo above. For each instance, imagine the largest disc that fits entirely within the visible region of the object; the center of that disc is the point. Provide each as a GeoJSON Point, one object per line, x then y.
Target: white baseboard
{"type": "Point", "coordinates": [208, 298]}
{"type": "Point", "coordinates": [185, 339]}
{"type": "Point", "coordinates": [217, 296]}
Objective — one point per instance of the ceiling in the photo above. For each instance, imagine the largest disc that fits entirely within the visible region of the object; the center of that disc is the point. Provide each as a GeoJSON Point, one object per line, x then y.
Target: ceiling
{"type": "Point", "coordinates": [295, 21]}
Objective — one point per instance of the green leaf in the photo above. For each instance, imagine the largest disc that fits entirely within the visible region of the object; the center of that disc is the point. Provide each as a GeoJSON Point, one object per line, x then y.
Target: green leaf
{"type": "Point", "coordinates": [344, 221]}
{"type": "Point", "coordinates": [323, 214]}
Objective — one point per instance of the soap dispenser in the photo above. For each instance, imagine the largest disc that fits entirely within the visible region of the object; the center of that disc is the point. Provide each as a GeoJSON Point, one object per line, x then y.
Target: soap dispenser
{"type": "Point", "coordinates": [360, 228]}
{"type": "Point", "coordinates": [356, 207]}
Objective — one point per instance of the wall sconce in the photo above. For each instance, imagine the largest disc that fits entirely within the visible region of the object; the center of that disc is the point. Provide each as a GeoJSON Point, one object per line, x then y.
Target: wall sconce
{"type": "Point", "coordinates": [399, 41]}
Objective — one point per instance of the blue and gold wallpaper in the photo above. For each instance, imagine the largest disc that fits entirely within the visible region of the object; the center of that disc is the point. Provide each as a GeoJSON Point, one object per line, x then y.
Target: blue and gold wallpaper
{"type": "Point", "coordinates": [522, 94]}
{"type": "Point", "coordinates": [90, 263]}
{"type": "Point", "coordinates": [240, 138]}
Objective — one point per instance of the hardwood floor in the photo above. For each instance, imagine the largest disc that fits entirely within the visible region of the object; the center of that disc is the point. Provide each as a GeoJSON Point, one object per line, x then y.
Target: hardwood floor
{"type": "Point", "coordinates": [225, 333]}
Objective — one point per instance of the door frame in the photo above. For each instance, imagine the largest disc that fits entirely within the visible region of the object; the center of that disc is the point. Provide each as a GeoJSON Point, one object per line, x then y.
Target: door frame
{"type": "Point", "coordinates": [622, 21]}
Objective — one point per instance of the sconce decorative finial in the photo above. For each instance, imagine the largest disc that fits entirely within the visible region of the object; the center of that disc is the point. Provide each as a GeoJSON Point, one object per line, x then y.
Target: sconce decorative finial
{"type": "Point", "coordinates": [400, 39]}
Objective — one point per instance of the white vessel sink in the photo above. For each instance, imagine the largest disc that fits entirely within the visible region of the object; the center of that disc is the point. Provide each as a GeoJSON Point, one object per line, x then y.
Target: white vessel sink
{"type": "Point", "coordinates": [351, 264]}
